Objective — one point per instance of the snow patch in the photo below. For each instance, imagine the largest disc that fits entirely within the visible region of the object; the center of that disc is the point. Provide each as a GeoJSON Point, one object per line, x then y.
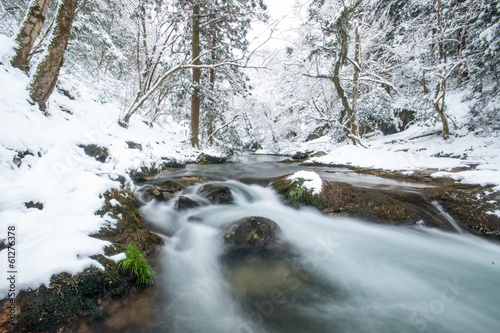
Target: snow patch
{"type": "Point", "coordinates": [312, 181]}
{"type": "Point", "coordinates": [118, 257]}
{"type": "Point", "coordinates": [496, 213]}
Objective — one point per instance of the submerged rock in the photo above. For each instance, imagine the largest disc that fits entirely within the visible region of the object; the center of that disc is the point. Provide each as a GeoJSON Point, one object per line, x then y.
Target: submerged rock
{"type": "Point", "coordinates": [217, 194]}
{"type": "Point", "coordinates": [252, 232]}
{"type": "Point", "coordinates": [184, 203]}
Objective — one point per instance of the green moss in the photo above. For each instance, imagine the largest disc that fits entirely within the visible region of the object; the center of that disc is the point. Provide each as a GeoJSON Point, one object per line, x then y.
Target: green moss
{"type": "Point", "coordinates": [68, 298]}
{"type": "Point", "coordinates": [295, 194]}
{"type": "Point", "coordinates": [57, 307]}
{"type": "Point", "coordinates": [130, 225]}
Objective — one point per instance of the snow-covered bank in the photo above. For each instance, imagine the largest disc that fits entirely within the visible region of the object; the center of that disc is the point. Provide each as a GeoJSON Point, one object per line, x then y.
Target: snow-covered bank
{"type": "Point", "coordinates": [476, 160]}
{"type": "Point", "coordinates": [41, 162]}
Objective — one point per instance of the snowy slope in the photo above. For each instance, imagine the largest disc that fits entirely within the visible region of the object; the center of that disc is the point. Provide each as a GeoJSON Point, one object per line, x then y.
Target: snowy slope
{"type": "Point", "coordinates": [58, 174]}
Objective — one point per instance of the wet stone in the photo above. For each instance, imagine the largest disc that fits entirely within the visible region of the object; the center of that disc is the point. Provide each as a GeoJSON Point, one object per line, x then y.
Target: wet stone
{"type": "Point", "coordinates": [217, 194]}
{"type": "Point", "coordinates": [185, 203]}
{"type": "Point", "coordinates": [252, 232]}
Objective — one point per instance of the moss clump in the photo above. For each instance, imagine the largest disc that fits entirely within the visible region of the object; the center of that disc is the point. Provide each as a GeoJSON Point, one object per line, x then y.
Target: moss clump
{"type": "Point", "coordinates": [68, 298]}
{"type": "Point", "coordinates": [130, 226]}
{"type": "Point", "coordinates": [142, 174]}
{"type": "Point", "coordinates": [345, 199]}
{"type": "Point", "coordinates": [469, 205]}
{"type": "Point", "coordinates": [295, 194]}
{"type": "Point", "coordinates": [209, 159]}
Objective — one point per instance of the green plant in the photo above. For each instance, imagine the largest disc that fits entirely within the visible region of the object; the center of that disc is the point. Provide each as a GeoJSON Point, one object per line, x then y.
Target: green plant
{"type": "Point", "coordinates": [137, 265]}
{"type": "Point", "coordinates": [298, 194]}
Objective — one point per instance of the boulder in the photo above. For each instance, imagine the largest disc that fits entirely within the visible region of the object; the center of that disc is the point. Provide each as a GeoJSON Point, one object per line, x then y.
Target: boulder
{"type": "Point", "coordinates": [209, 159]}
{"type": "Point", "coordinates": [192, 179]}
{"type": "Point", "coordinates": [99, 153]}
{"type": "Point", "coordinates": [134, 145]}
{"type": "Point", "coordinates": [253, 232]}
{"type": "Point", "coordinates": [300, 155]}
{"type": "Point", "coordinates": [319, 154]}
{"type": "Point", "coordinates": [158, 194]}
{"type": "Point", "coordinates": [184, 203]}
{"type": "Point", "coordinates": [172, 186]}
{"type": "Point", "coordinates": [312, 136]}
{"type": "Point", "coordinates": [31, 204]}
{"type": "Point", "coordinates": [217, 194]}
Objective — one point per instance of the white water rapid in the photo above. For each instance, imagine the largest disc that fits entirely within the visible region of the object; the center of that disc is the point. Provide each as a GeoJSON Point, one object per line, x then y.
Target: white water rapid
{"type": "Point", "coordinates": [341, 275]}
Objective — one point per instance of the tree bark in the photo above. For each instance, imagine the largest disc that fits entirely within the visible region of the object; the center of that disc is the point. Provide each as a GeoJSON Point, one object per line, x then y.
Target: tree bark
{"type": "Point", "coordinates": [355, 93]}
{"type": "Point", "coordinates": [440, 94]}
{"type": "Point", "coordinates": [28, 33]}
{"type": "Point", "coordinates": [47, 72]}
{"type": "Point", "coordinates": [195, 98]}
{"type": "Point", "coordinates": [344, 39]}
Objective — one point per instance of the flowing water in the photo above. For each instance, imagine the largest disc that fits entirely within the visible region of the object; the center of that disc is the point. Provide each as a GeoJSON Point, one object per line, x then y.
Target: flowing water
{"type": "Point", "coordinates": [337, 275]}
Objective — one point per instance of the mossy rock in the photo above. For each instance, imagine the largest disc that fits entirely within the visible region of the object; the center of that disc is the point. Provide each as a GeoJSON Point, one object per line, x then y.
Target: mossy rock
{"type": "Point", "coordinates": [209, 159]}
{"type": "Point", "coordinates": [174, 164]}
{"type": "Point", "coordinates": [31, 204]}
{"type": "Point", "coordinates": [69, 298]}
{"type": "Point", "coordinates": [192, 179]}
{"type": "Point", "coordinates": [296, 195]}
{"type": "Point", "coordinates": [467, 205]}
{"type": "Point", "coordinates": [300, 155]}
{"type": "Point", "coordinates": [252, 232]}
{"type": "Point", "coordinates": [173, 186]}
{"type": "Point", "coordinates": [319, 154]}
{"type": "Point", "coordinates": [97, 152]}
{"type": "Point", "coordinates": [158, 194]}
{"type": "Point", "coordinates": [345, 199]}
{"type": "Point", "coordinates": [217, 194]}
{"type": "Point", "coordinates": [130, 226]}
{"type": "Point", "coordinates": [134, 145]}
{"type": "Point", "coordinates": [185, 203]}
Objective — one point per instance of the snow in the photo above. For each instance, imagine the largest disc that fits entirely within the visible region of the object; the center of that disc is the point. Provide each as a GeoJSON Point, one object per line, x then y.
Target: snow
{"type": "Point", "coordinates": [56, 173]}
{"type": "Point", "coordinates": [476, 160]}
{"type": "Point", "coordinates": [383, 159]}
{"type": "Point", "coordinates": [118, 257]}
{"type": "Point", "coordinates": [496, 213]}
{"type": "Point", "coordinates": [312, 181]}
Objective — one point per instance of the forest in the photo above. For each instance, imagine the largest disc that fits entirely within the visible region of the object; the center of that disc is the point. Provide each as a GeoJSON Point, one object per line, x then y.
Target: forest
{"type": "Point", "coordinates": [249, 165]}
{"type": "Point", "coordinates": [354, 68]}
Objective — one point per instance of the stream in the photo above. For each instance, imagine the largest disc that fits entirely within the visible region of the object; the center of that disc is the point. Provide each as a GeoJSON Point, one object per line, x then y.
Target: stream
{"type": "Point", "coordinates": [338, 274]}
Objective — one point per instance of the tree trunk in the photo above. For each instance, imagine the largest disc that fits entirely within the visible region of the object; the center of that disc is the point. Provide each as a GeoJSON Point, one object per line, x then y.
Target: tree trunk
{"type": "Point", "coordinates": [45, 77]}
{"type": "Point", "coordinates": [440, 94]}
{"type": "Point", "coordinates": [355, 94]}
{"type": "Point", "coordinates": [210, 125]}
{"type": "Point", "coordinates": [28, 33]}
{"type": "Point", "coordinates": [344, 40]}
{"type": "Point", "coordinates": [195, 98]}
